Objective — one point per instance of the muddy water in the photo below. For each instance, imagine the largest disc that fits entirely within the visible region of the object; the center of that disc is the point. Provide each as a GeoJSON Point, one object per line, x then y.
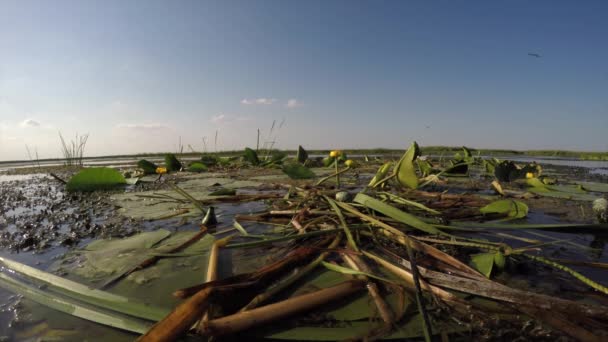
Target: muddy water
{"type": "Point", "coordinates": [39, 223]}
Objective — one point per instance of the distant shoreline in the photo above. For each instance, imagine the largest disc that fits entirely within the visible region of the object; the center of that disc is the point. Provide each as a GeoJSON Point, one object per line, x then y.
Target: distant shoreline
{"type": "Point", "coordinates": [435, 150]}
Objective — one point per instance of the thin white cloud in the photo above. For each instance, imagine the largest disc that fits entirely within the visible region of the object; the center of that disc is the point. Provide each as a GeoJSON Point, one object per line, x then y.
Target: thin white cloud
{"type": "Point", "coordinates": [147, 126]}
{"type": "Point", "coordinates": [224, 119]}
{"type": "Point", "coordinates": [258, 101]}
{"type": "Point", "coordinates": [29, 123]}
{"type": "Point", "coordinates": [293, 103]}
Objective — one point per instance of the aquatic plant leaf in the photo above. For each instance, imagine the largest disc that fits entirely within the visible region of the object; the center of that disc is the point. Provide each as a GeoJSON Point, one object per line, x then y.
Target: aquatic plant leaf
{"type": "Point", "coordinates": [380, 174]}
{"type": "Point", "coordinates": [499, 260]}
{"type": "Point", "coordinates": [298, 171]}
{"type": "Point", "coordinates": [395, 213]}
{"type": "Point", "coordinates": [96, 178]}
{"type": "Point", "coordinates": [251, 156]}
{"type": "Point", "coordinates": [209, 160]}
{"type": "Point", "coordinates": [302, 155]}
{"type": "Point", "coordinates": [197, 167]}
{"type": "Point", "coordinates": [497, 187]}
{"type": "Point", "coordinates": [148, 167]}
{"type": "Point", "coordinates": [328, 161]}
{"type": "Point", "coordinates": [425, 167]}
{"type": "Point", "coordinates": [171, 163]}
{"type": "Point", "coordinates": [511, 208]}
{"type": "Point", "coordinates": [483, 262]}
{"type": "Point", "coordinates": [77, 291]}
{"type": "Point", "coordinates": [72, 307]}
{"type": "Point", "coordinates": [405, 171]}
{"type": "Point", "coordinates": [506, 171]}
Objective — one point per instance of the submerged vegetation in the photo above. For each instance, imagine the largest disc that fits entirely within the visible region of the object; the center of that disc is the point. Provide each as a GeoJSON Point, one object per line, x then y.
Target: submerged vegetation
{"type": "Point", "coordinates": [416, 246]}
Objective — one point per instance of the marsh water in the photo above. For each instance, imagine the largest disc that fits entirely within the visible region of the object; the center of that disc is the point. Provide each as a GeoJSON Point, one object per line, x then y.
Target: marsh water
{"type": "Point", "coordinates": [40, 224]}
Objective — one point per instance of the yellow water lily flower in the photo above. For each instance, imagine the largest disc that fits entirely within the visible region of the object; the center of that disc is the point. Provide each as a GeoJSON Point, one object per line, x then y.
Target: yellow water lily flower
{"type": "Point", "coordinates": [161, 170]}
{"type": "Point", "coordinates": [335, 153]}
{"type": "Point", "coordinates": [349, 163]}
{"type": "Point", "coordinates": [529, 175]}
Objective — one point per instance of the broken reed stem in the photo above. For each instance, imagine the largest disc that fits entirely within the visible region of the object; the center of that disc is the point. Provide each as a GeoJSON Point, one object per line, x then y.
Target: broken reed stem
{"type": "Point", "coordinates": [398, 236]}
{"type": "Point", "coordinates": [409, 278]}
{"type": "Point", "coordinates": [570, 271]}
{"type": "Point", "coordinates": [247, 319]}
{"type": "Point", "coordinates": [286, 238]}
{"type": "Point", "coordinates": [385, 179]}
{"type": "Point", "coordinates": [180, 319]}
{"type": "Point", "coordinates": [335, 174]}
{"type": "Point", "coordinates": [349, 235]}
{"type": "Point", "coordinates": [212, 268]}
{"type": "Point", "coordinates": [426, 327]}
{"type": "Point", "coordinates": [192, 200]}
{"type": "Point", "coordinates": [285, 283]}
{"type": "Point", "coordinates": [383, 309]}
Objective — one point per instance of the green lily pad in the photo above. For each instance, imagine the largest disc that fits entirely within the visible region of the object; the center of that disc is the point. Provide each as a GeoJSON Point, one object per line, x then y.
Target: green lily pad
{"type": "Point", "coordinates": [298, 171]}
{"type": "Point", "coordinates": [512, 209]}
{"type": "Point", "coordinates": [96, 178]}
{"type": "Point", "coordinates": [197, 167]}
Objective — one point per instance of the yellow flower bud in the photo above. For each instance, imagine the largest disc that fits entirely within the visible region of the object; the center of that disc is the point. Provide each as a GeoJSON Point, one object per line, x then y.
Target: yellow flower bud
{"type": "Point", "coordinates": [335, 153]}
{"type": "Point", "coordinates": [529, 175]}
{"type": "Point", "coordinates": [161, 170]}
{"type": "Point", "coordinates": [349, 163]}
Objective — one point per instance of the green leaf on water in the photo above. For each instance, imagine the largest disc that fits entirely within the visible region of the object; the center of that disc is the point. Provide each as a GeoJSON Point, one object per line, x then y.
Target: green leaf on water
{"type": "Point", "coordinates": [405, 171]}
{"type": "Point", "coordinates": [298, 171]}
{"type": "Point", "coordinates": [96, 178]}
{"type": "Point", "coordinates": [499, 260]}
{"type": "Point", "coordinates": [197, 167]}
{"type": "Point", "coordinates": [251, 156]}
{"type": "Point", "coordinates": [483, 262]}
{"type": "Point", "coordinates": [510, 208]}
{"type": "Point", "coordinates": [148, 167]}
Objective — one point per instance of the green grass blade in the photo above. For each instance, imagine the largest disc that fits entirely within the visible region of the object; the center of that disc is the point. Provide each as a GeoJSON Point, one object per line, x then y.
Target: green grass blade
{"type": "Point", "coordinates": [88, 295]}
{"type": "Point", "coordinates": [396, 214]}
{"type": "Point", "coordinates": [72, 307]}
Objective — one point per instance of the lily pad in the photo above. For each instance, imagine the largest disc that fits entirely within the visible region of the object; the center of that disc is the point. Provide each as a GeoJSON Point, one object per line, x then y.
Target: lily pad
{"type": "Point", "coordinates": [512, 209]}
{"type": "Point", "coordinates": [298, 171]}
{"type": "Point", "coordinates": [197, 167]}
{"type": "Point", "coordinates": [96, 178]}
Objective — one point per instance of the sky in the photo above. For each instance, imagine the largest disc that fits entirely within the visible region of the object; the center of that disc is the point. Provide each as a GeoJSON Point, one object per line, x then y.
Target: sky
{"type": "Point", "coordinates": [138, 76]}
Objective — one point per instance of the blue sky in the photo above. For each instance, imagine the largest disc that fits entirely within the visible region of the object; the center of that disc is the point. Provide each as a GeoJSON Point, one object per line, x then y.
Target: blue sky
{"type": "Point", "coordinates": [137, 75]}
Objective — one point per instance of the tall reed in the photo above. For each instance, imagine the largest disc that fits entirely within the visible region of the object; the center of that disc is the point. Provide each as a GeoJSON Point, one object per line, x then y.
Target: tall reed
{"type": "Point", "coordinates": [73, 151]}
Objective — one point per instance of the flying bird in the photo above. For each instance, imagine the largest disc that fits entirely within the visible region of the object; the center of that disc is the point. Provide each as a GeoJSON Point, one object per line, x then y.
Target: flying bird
{"type": "Point", "coordinates": [534, 55]}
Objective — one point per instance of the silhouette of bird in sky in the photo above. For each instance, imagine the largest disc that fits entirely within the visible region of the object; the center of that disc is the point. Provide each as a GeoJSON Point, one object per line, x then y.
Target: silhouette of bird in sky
{"type": "Point", "coordinates": [534, 54]}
